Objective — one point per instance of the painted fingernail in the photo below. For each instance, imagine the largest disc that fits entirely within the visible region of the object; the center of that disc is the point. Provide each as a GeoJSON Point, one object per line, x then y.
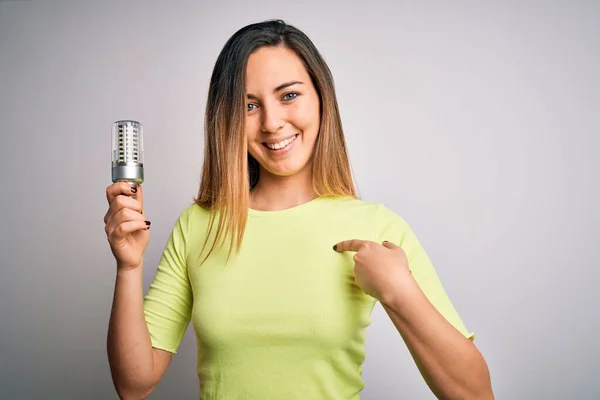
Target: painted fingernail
{"type": "Point", "coordinates": [148, 223]}
{"type": "Point", "coordinates": [134, 189]}
{"type": "Point", "coordinates": [335, 247]}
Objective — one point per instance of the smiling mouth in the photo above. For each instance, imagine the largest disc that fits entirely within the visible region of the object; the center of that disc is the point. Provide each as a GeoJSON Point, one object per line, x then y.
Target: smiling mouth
{"type": "Point", "coordinates": [282, 145]}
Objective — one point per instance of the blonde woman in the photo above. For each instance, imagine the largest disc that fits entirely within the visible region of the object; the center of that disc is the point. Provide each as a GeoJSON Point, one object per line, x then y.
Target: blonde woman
{"type": "Point", "coordinates": [278, 264]}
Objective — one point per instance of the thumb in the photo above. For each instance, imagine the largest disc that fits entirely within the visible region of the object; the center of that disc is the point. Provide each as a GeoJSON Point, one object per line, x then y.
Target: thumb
{"type": "Point", "coordinates": [389, 245]}
{"type": "Point", "coordinates": [140, 197]}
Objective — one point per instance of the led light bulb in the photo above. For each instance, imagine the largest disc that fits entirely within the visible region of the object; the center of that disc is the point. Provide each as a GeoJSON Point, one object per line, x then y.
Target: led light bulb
{"type": "Point", "coordinates": [127, 152]}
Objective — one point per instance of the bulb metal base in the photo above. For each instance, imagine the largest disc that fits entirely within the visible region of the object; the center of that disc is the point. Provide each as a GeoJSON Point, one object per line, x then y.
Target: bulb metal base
{"type": "Point", "coordinates": [132, 172]}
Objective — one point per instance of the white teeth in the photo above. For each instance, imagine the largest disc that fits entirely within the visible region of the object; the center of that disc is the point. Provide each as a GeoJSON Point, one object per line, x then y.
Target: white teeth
{"type": "Point", "coordinates": [282, 144]}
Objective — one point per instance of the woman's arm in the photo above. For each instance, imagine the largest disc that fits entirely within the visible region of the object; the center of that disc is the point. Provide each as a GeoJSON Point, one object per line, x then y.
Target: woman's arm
{"type": "Point", "coordinates": [449, 362]}
{"type": "Point", "coordinates": [136, 366]}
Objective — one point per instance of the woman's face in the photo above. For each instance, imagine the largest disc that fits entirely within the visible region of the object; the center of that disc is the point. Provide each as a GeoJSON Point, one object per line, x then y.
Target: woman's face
{"type": "Point", "coordinates": [282, 121]}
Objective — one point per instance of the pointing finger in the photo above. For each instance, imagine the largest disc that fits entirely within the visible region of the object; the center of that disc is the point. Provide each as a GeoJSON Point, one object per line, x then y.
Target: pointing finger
{"type": "Point", "coordinates": [390, 245]}
{"type": "Point", "coordinates": [350, 245]}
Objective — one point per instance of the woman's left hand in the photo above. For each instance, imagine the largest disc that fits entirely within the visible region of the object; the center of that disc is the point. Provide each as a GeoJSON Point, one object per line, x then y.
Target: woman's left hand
{"type": "Point", "coordinates": [380, 270]}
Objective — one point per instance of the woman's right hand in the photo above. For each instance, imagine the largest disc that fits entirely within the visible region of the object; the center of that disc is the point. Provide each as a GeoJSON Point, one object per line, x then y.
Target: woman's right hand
{"type": "Point", "coordinates": [126, 225]}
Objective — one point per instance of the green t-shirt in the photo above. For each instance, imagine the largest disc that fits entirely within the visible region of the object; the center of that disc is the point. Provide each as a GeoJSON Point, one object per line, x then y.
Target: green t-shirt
{"type": "Point", "coordinates": [284, 318]}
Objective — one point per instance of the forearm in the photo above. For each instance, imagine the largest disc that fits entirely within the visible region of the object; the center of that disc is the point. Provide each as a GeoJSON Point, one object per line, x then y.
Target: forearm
{"type": "Point", "coordinates": [130, 352]}
{"type": "Point", "coordinates": [451, 365]}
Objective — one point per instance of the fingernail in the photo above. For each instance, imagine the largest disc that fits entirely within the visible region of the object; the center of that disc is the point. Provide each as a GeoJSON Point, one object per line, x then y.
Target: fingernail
{"type": "Point", "coordinates": [335, 247]}
{"type": "Point", "coordinates": [147, 223]}
{"type": "Point", "coordinates": [134, 189]}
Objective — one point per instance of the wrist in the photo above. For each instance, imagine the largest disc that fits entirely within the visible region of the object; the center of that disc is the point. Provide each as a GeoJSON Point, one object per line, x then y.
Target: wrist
{"type": "Point", "coordinates": [401, 296]}
{"type": "Point", "coordinates": [129, 272]}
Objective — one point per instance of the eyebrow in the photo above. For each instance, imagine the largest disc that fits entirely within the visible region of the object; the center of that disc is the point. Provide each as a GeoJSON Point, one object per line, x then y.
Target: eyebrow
{"type": "Point", "coordinates": [278, 88]}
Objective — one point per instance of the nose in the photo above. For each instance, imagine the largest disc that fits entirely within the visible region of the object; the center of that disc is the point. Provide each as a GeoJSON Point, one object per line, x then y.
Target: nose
{"type": "Point", "coordinates": [273, 118]}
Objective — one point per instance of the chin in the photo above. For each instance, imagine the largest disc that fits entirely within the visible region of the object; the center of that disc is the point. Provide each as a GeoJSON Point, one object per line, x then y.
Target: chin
{"type": "Point", "coordinates": [285, 171]}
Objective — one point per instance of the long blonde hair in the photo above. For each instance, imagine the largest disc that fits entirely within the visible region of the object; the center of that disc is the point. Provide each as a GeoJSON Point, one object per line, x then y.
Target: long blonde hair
{"type": "Point", "coordinates": [229, 172]}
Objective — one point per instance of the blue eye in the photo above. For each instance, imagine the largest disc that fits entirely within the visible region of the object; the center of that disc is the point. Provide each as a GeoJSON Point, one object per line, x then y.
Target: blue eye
{"type": "Point", "coordinates": [290, 96]}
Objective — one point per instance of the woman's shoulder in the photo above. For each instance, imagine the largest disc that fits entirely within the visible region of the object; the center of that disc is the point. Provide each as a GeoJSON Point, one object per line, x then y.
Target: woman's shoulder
{"type": "Point", "coordinates": [192, 215]}
{"type": "Point", "coordinates": [371, 213]}
{"type": "Point", "coordinates": [377, 211]}
{"type": "Point", "coordinates": [192, 211]}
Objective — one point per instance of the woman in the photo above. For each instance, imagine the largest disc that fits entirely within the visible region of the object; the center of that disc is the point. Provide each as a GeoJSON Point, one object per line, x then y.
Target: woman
{"type": "Point", "coordinates": [278, 313]}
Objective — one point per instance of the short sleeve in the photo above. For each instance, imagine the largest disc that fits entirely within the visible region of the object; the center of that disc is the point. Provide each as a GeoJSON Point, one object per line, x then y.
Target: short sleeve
{"type": "Point", "coordinates": [168, 302]}
{"type": "Point", "coordinates": [396, 230]}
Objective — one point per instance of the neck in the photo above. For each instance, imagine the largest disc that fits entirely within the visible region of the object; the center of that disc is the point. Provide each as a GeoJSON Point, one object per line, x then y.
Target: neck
{"type": "Point", "coordinates": [274, 193]}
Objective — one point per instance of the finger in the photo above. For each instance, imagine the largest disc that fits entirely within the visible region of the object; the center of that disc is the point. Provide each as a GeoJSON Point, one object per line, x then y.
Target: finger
{"type": "Point", "coordinates": [122, 216]}
{"type": "Point", "coordinates": [140, 197]}
{"type": "Point", "coordinates": [122, 202]}
{"type": "Point", "coordinates": [389, 245]}
{"type": "Point", "coordinates": [120, 188]}
{"type": "Point", "coordinates": [350, 245]}
{"type": "Point", "coordinates": [126, 228]}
